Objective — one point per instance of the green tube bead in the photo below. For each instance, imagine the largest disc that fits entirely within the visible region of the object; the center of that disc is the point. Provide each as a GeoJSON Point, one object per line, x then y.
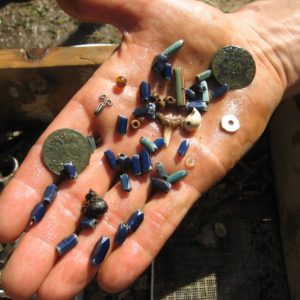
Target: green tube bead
{"type": "Point", "coordinates": [177, 176]}
{"type": "Point", "coordinates": [149, 146]}
{"type": "Point", "coordinates": [180, 91]}
{"type": "Point", "coordinates": [204, 75]}
{"type": "Point", "coordinates": [173, 48]}
{"type": "Point", "coordinates": [205, 92]}
{"type": "Point", "coordinates": [161, 171]}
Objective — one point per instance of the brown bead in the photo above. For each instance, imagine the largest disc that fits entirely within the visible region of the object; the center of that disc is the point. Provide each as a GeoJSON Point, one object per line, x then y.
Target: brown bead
{"type": "Point", "coordinates": [121, 81]}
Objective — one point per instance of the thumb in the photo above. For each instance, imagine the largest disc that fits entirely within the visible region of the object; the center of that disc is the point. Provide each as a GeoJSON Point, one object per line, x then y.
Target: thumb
{"type": "Point", "coordinates": [123, 14]}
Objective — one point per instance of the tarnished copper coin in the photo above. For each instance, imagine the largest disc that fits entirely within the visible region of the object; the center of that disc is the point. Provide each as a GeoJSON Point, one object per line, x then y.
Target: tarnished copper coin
{"type": "Point", "coordinates": [234, 66]}
{"type": "Point", "coordinates": [63, 146]}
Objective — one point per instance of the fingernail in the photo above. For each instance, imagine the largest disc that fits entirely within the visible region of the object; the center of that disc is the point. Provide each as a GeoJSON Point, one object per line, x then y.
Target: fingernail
{"type": "Point", "coordinates": [135, 220]}
{"type": "Point", "coordinates": [160, 184]}
{"type": "Point", "coordinates": [125, 182]}
{"type": "Point", "coordinates": [177, 176]}
{"type": "Point", "coordinates": [50, 193]}
{"type": "Point", "coordinates": [67, 244]}
{"type": "Point", "coordinates": [38, 212]}
{"type": "Point", "coordinates": [122, 233]}
{"type": "Point", "coordinates": [100, 251]}
{"type": "Point", "coordinates": [111, 158]}
{"type": "Point", "coordinates": [183, 147]}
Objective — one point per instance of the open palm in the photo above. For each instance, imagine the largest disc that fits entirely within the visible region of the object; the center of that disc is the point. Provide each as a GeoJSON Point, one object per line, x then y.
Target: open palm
{"type": "Point", "coordinates": [148, 27]}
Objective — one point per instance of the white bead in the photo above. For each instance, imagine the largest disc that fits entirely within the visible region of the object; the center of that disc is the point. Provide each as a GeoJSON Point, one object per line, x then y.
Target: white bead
{"type": "Point", "coordinates": [230, 123]}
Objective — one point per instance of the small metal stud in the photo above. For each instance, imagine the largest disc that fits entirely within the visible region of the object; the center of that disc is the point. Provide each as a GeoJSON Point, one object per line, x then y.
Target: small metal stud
{"type": "Point", "coordinates": [111, 158]}
{"type": "Point", "coordinates": [125, 182]}
{"type": "Point", "coordinates": [135, 220]}
{"type": "Point", "coordinates": [104, 100]}
{"type": "Point", "coordinates": [67, 244]}
{"type": "Point", "coordinates": [183, 147]}
{"type": "Point", "coordinates": [50, 193]}
{"type": "Point", "coordinates": [100, 251]}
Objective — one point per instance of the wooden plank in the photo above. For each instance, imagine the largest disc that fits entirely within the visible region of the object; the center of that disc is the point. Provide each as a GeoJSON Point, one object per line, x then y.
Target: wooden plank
{"type": "Point", "coordinates": [285, 146]}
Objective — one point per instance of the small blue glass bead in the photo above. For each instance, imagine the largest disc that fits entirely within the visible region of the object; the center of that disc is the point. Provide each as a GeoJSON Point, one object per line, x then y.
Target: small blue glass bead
{"type": "Point", "coordinates": [197, 89]}
{"type": "Point", "coordinates": [168, 71]}
{"type": "Point", "coordinates": [190, 94]}
{"type": "Point", "coordinates": [148, 145]}
{"type": "Point", "coordinates": [136, 165]}
{"type": "Point", "coordinates": [183, 147]}
{"type": "Point", "coordinates": [161, 185]}
{"type": "Point", "coordinates": [159, 63]}
{"type": "Point", "coordinates": [161, 171]}
{"type": "Point", "coordinates": [100, 251]}
{"type": "Point", "coordinates": [38, 212]}
{"type": "Point", "coordinates": [87, 222]}
{"type": "Point", "coordinates": [50, 193]}
{"type": "Point", "coordinates": [145, 91]}
{"type": "Point", "coordinates": [111, 158]}
{"type": "Point", "coordinates": [147, 111]}
{"type": "Point", "coordinates": [122, 124]}
{"type": "Point", "coordinates": [135, 220]}
{"type": "Point", "coordinates": [124, 161]}
{"type": "Point", "coordinates": [67, 244]}
{"type": "Point", "coordinates": [145, 161]}
{"type": "Point", "coordinates": [69, 170]}
{"type": "Point", "coordinates": [160, 142]}
{"type": "Point", "coordinates": [125, 182]}
{"type": "Point", "coordinates": [177, 176]}
{"type": "Point", "coordinates": [199, 105]}
{"type": "Point", "coordinates": [121, 234]}
{"type": "Point", "coordinates": [220, 91]}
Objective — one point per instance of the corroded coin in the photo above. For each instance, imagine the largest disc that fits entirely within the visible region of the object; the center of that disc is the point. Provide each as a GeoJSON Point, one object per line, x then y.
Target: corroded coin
{"type": "Point", "coordinates": [63, 146]}
{"type": "Point", "coordinates": [234, 66]}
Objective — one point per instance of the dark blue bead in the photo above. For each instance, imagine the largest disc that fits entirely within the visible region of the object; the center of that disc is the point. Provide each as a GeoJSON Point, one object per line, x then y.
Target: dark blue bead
{"type": "Point", "coordinates": [145, 161]}
{"type": "Point", "coordinates": [125, 182]}
{"type": "Point", "coordinates": [220, 91]}
{"type": "Point", "coordinates": [67, 244]}
{"type": "Point", "coordinates": [124, 161]}
{"type": "Point", "coordinates": [69, 170]}
{"type": "Point", "coordinates": [145, 92]}
{"type": "Point", "coordinates": [111, 158]}
{"type": "Point", "coordinates": [160, 184]}
{"type": "Point", "coordinates": [122, 124]}
{"type": "Point", "coordinates": [183, 147]}
{"type": "Point", "coordinates": [190, 94]}
{"type": "Point", "coordinates": [38, 212]}
{"type": "Point", "coordinates": [121, 234]}
{"type": "Point", "coordinates": [197, 89]}
{"type": "Point", "coordinates": [100, 251]}
{"type": "Point", "coordinates": [147, 111]}
{"type": "Point", "coordinates": [87, 222]}
{"type": "Point", "coordinates": [168, 71]}
{"type": "Point", "coordinates": [135, 220]}
{"type": "Point", "coordinates": [199, 105]}
{"type": "Point", "coordinates": [50, 193]}
{"type": "Point", "coordinates": [159, 63]}
{"type": "Point", "coordinates": [160, 142]}
{"type": "Point", "coordinates": [136, 164]}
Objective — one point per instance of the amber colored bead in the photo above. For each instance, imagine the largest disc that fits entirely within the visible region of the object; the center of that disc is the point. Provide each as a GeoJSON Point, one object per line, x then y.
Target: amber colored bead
{"type": "Point", "coordinates": [121, 81]}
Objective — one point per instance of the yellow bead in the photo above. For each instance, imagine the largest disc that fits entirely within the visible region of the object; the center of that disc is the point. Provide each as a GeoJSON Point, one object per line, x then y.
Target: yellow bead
{"type": "Point", "coordinates": [121, 81]}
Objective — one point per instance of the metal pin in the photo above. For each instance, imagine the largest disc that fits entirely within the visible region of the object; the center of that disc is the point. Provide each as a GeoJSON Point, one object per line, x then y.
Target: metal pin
{"type": "Point", "coordinates": [104, 100]}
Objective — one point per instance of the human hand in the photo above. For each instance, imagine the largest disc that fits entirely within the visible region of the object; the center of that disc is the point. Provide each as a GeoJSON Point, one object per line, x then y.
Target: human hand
{"type": "Point", "coordinates": [148, 28]}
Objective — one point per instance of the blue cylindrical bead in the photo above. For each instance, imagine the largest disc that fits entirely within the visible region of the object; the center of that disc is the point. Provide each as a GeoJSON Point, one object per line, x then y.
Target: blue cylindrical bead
{"type": "Point", "coordinates": [124, 161]}
{"type": "Point", "coordinates": [160, 63]}
{"type": "Point", "coordinates": [38, 212]}
{"type": "Point", "coordinates": [122, 124]}
{"type": "Point", "coordinates": [145, 92]}
{"type": "Point", "coordinates": [136, 164]}
{"type": "Point", "coordinates": [183, 147]}
{"type": "Point", "coordinates": [67, 244]}
{"type": "Point", "coordinates": [121, 234]}
{"type": "Point", "coordinates": [69, 170]}
{"type": "Point", "coordinates": [160, 142]}
{"type": "Point", "coordinates": [161, 171]}
{"type": "Point", "coordinates": [50, 193]}
{"type": "Point", "coordinates": [168, 71]}
{"type": "Point", "coordinates": [199, 105]}
{"type": "Point", "coordinates": [197, 89]}
{"type": "Point", "coordinates": [135, 220]}
{"type": "Point", "coordinates": [161, 185]}
{"type": "Point", "coordinates": [111, 158]}
{"type": "Point", "coordinates": [125, 182]}
{"type": "Point", "coordinates": [100, 251]}
{"type": "Point", "coordinates": [87, 222]}
{"type": "Point", "coordinates": [190, 94]}
{"type": "Point", "coordinates": [177, 176]}
{"type": "Point", "coordinates": [148, 145]}
{"type": "Point", "coordinates": [145, 161]}
{"type": "Point", "coordinates": [220, 91]}
{"type": "Point", "coordinates": [147, 111]}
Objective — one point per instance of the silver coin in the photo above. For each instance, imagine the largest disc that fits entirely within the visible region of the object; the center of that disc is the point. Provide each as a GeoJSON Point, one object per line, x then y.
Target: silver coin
{"type": "Point", "coordinates": [234, 66]}
{"type": "Point", "coordinates": [66, 145]}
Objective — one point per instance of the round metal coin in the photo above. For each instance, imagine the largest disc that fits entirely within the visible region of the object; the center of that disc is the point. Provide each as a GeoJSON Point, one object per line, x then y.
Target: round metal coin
{"type": "Point", "coordinates": [234, 66]}
{"type": "Point", "coordinates": [66, 145]}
